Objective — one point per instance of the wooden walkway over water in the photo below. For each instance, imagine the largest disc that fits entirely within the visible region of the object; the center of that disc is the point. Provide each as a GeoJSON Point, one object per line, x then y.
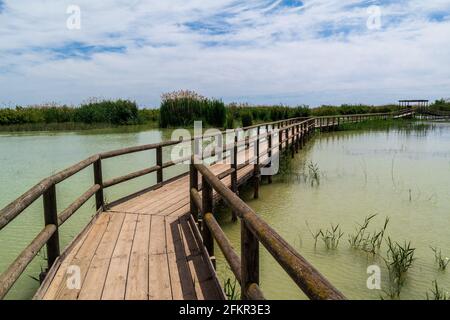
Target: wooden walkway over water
{"type": "Point", "coordinates": [149, 245]}
{"type": "Point", "coordinates": [145, 248]}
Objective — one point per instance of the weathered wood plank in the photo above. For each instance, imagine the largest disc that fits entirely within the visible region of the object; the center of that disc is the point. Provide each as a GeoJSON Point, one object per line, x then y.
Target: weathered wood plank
{"type": "Point", "coordinates": [159, 279]}
{"type": "Point", "coordinates": [83, 257]}
{"type": "Point", "coordinates": [137, 281]}
{"type": "Point", "coordinates": [95, 278]}
{"type": "Point", "coordinates": [116, 279]}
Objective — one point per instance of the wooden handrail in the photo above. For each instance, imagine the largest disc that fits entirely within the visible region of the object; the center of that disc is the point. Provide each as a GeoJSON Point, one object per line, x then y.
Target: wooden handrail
{"type": "Point", "coordinates": [313, 284]}
{"type": "Point", "coordinates": [10, 276]}
{"type": "Point", "coordinates": [130, 176]}
{"type": "Point", "coordinates": [12, 210]}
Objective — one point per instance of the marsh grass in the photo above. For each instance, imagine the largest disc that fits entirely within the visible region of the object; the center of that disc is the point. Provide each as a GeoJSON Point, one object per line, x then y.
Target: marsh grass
{"type": "Point", "coordinates": [437, 293]}
{"type": "Point", "coordinates": [368, 241]}
{"type": "Point", "coordinates": [441, 261]}
{"type": "Point", "coordinates": [403, 125]}
{"type": "Point", "coordinates": [231, 290]}
{"type": "Point", "coordinates": [315, 235]}
{"type": "Point", "coordinates": [314, 173]}
{"type": "Point", "coordinates": [182, 108]}
{"type": "Point", "coordinates": [398, 261]}
{"type": "Point", "coordinates": [331, 237]}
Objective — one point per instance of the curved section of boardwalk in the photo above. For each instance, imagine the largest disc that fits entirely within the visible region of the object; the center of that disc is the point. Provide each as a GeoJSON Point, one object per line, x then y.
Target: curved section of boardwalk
{"type": "Point", "coordinates": [147, 247]}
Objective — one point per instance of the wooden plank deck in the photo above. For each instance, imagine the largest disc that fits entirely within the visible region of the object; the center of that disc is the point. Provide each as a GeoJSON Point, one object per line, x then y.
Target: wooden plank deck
{"type": "Point", "coordinates": [145, 248]}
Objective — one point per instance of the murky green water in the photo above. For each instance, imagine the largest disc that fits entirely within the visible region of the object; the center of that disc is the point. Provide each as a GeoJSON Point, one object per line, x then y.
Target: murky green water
{"type": "Point", "coordinates": [403, 175]}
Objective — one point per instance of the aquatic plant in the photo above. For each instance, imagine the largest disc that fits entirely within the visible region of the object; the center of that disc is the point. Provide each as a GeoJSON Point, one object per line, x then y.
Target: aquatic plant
{"type": "Point", "coordinates": [366, 241]}
{"type": "Point", "coordinates": [331, 237]}
{"type": "Point", "coordinates": [314, 173]}
{"type": "Point", "coordinates": [398, 261]}
{"type": "Point", "coordinates": [442, 262]}
{"type": "Point", "coordinates": [315, 235]}
{"type": "Point", "coordinates": [437, 293]}
{"type": "Point", "coordinates": [230, 289]}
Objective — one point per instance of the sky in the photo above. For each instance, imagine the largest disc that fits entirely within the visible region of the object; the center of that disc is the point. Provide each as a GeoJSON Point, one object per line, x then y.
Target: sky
{"type": "Point", "coordinates": [289, 52]}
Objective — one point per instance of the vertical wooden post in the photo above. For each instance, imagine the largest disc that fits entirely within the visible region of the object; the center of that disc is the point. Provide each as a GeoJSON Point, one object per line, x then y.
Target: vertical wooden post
{"type": "Point", "coordinates": [247, 146]}
{"type": "Point", "coordinates": [207, 204]}
{"type": "Point", "coordinates": [280, 142]}
{"type": "Point", "coordinates": [258, 131]}
{"type": "Point", "coordinates": [159, 162]}
{"type": "Point", "coordinates": [234, 166]}
{"type": "Point", "coordinates": [300, 137]}
{"type": "Point", "coordinates": [51, 217]}
{"type": "Point", "coordinates": [98, 179]}
{"type": "Point", "coordinates": [292, 142]}
{"type": "Point", "coordinates": [256, 169]}
{"type": "Point", "coordinates": [249, 259]}
{"type": "Point", "coordinates": [193, 183]}
{"type": "Point", "coordinates": [269, 154]}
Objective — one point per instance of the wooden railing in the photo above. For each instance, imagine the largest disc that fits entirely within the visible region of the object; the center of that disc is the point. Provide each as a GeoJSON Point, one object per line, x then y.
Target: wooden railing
{"type": "Point", "coordinates": [254, 230]}
{"type": "Point", "coordinates": [292, 129]}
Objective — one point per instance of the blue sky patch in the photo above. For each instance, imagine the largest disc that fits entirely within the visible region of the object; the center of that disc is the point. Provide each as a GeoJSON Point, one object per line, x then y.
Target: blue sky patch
{"type": "Point", "coordinates": [438, 16]}
{"type": "Point", "coordinates": [82, 51]}
{"type": "Point", "coordinates": [291, 3]}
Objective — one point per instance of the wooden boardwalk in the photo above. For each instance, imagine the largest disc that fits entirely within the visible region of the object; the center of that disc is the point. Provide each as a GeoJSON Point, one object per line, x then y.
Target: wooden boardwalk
{"type": "Point", "coordinates": [147, 247]}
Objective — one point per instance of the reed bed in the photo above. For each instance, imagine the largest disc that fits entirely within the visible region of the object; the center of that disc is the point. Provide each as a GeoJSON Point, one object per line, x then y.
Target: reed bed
{"type": "Point", "coordinates": [182, 108]}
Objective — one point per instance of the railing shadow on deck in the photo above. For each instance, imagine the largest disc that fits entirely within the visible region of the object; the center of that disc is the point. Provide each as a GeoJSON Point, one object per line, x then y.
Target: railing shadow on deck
{"type": "Point", "coordinates": [290, 128]}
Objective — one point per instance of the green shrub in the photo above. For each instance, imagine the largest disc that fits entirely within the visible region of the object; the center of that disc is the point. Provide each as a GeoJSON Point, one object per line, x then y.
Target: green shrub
{"type": "Point", "coordinates": [441, 105]}
{"type": "Point", "coordinates": [105, 111]}
{"type": "Point", "coordinates": [148, 115]}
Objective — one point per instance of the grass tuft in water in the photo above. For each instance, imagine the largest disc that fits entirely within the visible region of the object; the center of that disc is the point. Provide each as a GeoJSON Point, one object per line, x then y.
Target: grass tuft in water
{"type": "Point", "coordinates": [315, 235]}
{"type": "Point", "coordinates": [314, 173]}
{"type": "Point", "coordinates": [442, 262]}
{"type": "Point", "coordinates": [366, 241]}
{"type": "Point", "coordinates": [398, 261]}
{"type": "Point", "coordinates": [437, 293]}
{"type": "Point", "coordinates": [331, 237]}
{"type": "Point", "coordinates": [230, 289]}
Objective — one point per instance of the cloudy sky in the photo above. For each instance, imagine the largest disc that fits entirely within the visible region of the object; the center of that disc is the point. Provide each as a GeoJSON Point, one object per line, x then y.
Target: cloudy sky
{"type": "Point", "coordinates": [259, 51]}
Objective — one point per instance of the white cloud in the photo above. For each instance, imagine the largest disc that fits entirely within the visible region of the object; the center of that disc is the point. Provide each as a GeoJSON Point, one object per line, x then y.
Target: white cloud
{"type": "Point", "coordinates": [257, 51]}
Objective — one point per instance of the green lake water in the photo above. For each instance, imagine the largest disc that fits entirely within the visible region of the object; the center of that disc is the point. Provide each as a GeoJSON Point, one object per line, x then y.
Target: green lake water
{"type": "Point", "coordinates": [400, 174]}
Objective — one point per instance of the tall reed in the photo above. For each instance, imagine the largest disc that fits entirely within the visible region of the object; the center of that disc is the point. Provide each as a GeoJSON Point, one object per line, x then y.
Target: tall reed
{"type": "Point", "coordinates": [441, 261]}
{"type": "Point", "coordinates": [368, 241]}
{"type": "Point", "coordinates": [398, 261]}
{"type": "Point", "coordinates": [182, 108]}
{"type": "Point", "coordinates": [437, 293]}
